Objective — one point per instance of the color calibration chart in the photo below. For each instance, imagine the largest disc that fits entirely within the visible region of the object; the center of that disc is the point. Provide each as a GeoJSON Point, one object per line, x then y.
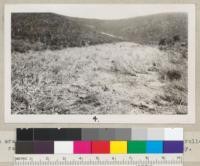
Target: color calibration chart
{"type": "Point", "coordinates": [99, 146]}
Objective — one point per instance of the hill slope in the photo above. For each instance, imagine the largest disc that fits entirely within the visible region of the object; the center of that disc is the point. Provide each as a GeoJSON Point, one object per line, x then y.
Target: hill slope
{"type": "Point", "coordinates": [144, 29]}
{"type": "Point", "coordinates": [48, 30]}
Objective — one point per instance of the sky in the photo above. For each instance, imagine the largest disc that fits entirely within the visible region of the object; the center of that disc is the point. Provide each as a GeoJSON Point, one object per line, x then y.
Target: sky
{"type": "Point", "coordinates": [118, 11]}
{"type": "Point", "coordinates": [105, 11]}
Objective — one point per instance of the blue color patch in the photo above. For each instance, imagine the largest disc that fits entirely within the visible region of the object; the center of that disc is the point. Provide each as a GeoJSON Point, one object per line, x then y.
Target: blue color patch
{"type": "Point", "coordinates": [154, 147]}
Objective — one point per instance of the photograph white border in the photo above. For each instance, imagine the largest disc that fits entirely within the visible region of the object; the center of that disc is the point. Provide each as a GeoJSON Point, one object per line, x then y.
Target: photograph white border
{"type": "Point", "coordinates": [107, 118]}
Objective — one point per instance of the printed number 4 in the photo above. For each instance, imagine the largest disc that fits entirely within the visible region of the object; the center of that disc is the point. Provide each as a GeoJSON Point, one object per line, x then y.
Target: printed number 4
{"type": "Point", "coordinates": [95, 118]}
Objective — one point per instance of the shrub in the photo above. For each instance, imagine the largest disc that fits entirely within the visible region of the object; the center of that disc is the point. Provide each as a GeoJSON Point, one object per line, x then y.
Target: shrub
{"type": "Point", "coordinates": [170, 74]}
{"type": "Point", "coordinates": [162, 42]}
{"type": "Point", "coordinates": [176, 38]}
{"type": "Point", "coordinates": [20, 46]}
{"type": "Point", "coordinates": [173, 75]}
{"type": "Point", "coordinates": [169, 43]}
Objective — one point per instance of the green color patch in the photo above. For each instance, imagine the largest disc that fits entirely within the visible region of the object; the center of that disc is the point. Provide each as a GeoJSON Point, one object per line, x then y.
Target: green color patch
{"type": "Point", "coordinates": [136, 146]}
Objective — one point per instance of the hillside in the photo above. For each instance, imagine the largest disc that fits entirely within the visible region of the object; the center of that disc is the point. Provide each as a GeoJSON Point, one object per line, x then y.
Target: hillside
{"type": "Point", "coordinates": [144, 29]}
{"type": "Point", "coordinates": [39, 31]}
{"type": "Point", "coordinates": [120, 78]}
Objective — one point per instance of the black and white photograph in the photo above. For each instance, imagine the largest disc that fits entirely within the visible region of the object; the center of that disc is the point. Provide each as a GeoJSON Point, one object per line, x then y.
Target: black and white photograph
{"type": "Point", "coordinates": [119, 62]}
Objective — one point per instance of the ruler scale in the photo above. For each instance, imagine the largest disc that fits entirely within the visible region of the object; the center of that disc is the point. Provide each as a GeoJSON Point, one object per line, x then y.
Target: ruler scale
{"type": "Point", "coordinates": [99, 160]}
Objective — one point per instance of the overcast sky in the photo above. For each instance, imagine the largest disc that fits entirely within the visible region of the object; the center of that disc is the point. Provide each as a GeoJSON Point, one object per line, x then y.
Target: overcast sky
{"type": "Point", "coordinates": [105, 11]}
{"type": "Point", "coordinates": [118, 11]}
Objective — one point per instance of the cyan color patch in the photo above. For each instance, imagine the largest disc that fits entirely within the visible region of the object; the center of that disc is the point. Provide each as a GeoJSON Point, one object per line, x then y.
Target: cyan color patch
{"type": "Point", "coordinates": [154, 147]}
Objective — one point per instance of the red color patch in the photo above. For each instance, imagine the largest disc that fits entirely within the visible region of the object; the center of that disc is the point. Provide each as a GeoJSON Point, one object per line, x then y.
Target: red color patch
{"type": "Point", "coordinates": [99, 147]}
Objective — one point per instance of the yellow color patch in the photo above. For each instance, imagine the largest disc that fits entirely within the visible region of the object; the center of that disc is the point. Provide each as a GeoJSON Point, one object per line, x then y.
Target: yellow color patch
{"type": "Point", "coordinates": [118, 147]}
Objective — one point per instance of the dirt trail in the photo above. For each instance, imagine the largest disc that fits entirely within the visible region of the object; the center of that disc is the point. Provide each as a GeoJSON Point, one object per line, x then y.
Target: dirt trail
{"type": "Point", "coordinates": [111, 35]}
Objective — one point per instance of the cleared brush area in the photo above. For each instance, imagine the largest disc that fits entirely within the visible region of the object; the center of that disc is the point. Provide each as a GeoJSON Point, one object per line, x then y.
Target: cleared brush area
{"type": "Point", "coordinates": [120, 78]}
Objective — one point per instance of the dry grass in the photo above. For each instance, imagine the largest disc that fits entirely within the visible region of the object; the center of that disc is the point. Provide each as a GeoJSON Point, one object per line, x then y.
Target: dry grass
{"type": "Point", "coordinates": [121, 78]}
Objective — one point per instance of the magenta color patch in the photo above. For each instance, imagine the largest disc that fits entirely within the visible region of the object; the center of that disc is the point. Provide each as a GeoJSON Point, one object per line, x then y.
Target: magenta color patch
{"type": "Point", "coordinates": [82, 147]}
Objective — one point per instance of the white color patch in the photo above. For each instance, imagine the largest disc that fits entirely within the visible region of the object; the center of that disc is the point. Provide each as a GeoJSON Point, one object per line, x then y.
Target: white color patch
{"type": "Point", "coordinates": [173, 134]}
{"type": "Point", "coordinates": [63, 147]}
